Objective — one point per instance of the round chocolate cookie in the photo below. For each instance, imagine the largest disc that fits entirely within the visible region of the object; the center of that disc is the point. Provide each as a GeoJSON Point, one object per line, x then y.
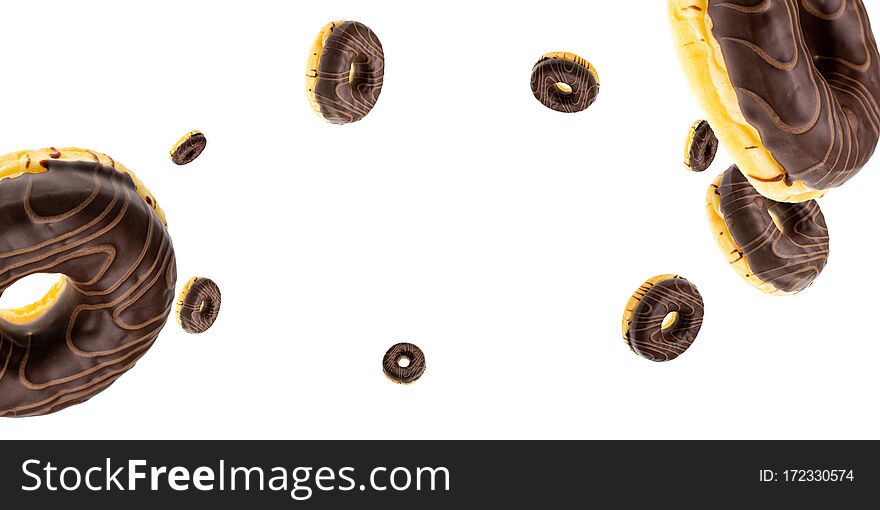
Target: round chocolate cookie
{"type": "Point", "coordinates": [662, 319]}
{"type": "Point", "coordinates": [198, 305]}
{"type": "Point", "coordinates": [188, 148]}
{"type": "Point", "coordinates": [701, 146]}
{"type": "Point", "coordinates": [345, 71]}
{"type": "Point", "coordinates": [84, 216]}
{"type": "Point", "coordinates": [792, 87]}
{"type": "Point", "coordinates": [404, 363]}
{"type": "Point", "coordinates": [565, 82]}
{"type": "Point", "coordinates": [779, 248]}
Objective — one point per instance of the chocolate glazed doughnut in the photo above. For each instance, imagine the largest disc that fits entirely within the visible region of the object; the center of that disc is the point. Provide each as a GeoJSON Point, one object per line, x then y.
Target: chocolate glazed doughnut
{"type": "Point", "coordinates": [346, 68]}
{"type": "Point", "coordinates": [791, 86]}
{"type": "Point", "coordinates": [779, 248]}
{"type": "Point", "coordinates": [565, 82]}
{"type": "Point", "coordinates": [80, 214]}
{"type": "Point", "coordinates": [663, 318]}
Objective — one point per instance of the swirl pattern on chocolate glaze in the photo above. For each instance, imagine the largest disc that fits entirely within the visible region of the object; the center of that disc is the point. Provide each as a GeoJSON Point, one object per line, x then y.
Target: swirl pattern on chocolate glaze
{"type": "Point", "coordinates": [702, 145]}
{"type": "Point", "coordinates": [643, 321]}
{"type": "Point", "coordinates": [350, 73]}
{"type": "Point", "coordinates": [408, 374]}
{"type": "Point", "coordinates": [807, 77]}
{"type": "Point", "coordinates": [789, 256]}
{"type": "Point", "coordinates": [198, 305]}
{"type": "Point", "coordinates": [548, 72]}
{"type": "Point", "coordinates": [86, 221]}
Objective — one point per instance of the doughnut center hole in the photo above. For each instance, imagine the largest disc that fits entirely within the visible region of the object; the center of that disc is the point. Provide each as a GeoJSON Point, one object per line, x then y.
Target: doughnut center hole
{"type": "Point", "coordinates": [776, 221]}
{"type": "Point", "coordinates": [563, 88]}
{"type": "Point", "coordinates": [26, 299]}
{"type": "Point", "coordinates": [203, 306]}
{"type": "Point", "coordinates": [669, 321]}
{"type": "Point", "coordinates": [403, 361]}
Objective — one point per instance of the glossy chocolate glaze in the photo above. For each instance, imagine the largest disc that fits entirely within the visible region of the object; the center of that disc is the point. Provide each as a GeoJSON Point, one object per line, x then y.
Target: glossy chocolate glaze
{"type": "Point", "coordinates": [807, 77]}
{"type": "Point", "coordinates": [350, 73]}
{"type": "Point", "coordinates": [645, 334]}
{"type": "Point", "coordinates": [703, 145]}
{"type": "Point", "coordinates": [200, 306]}
{"type": "Point", "coordinates": [408, 374]}
{"type": "Point", "coordinates": [789, 259]}
{"type": "Point", "coordinates": [189, 149]}
{"type": "Point", "coordinates": [550, 71]}
{"type": "Point", "coordinates": [87, 222]}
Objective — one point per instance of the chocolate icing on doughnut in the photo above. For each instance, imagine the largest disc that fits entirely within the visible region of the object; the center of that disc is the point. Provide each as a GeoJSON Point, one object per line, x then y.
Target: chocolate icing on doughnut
{"type": "Point", "coordinates": [188, 148]}
{"type": "Point", "coordinates": [701, 148]}
{"type": "Point", "coordinates": [198, 305]}
{"type": "Point", "coordinates": [564, 82]}
{"type": "Point", "coordinates": [807, 77]}
{"type": "Point", "coordinates": [400, 374]}
{"type": "Point", "coordinates": [350, 72]}
{"type": "Point", "coordinates": [789, 256]}
{"type": "Point", "coordinates": [80, 214]}
{"type": "Point", "coordinates": [644, 327]}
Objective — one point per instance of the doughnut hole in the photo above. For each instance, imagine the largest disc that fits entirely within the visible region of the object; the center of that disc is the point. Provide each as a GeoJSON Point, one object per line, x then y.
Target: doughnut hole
{"type": "Point", "coordinates": [28, 298]}
{"type": "Point", "coordinates": [403, 361]}
{"type": "Point", "coordinates": [669, 321]}
{"type": "Point", "coordinates": [563, 88]}
{"type": "Point", "coordinates": [776, 221]}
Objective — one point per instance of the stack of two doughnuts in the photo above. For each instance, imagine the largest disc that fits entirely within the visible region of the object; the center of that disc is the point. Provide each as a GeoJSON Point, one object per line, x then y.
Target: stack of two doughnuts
{"type": "Point", "coordinates": [792, 89]}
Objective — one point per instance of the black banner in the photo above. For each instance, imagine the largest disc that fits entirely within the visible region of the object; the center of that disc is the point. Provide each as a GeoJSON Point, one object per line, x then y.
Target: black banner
{"type": "Point", "coordinates": [438, 474]}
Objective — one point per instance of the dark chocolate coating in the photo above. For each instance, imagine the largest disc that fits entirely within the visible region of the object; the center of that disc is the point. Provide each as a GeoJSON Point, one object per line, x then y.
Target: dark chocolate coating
{"type": "Point", "coordinates": [646, 335]}
{"type": "Point", "coordinates": [341, 95]}
{"type": "Point", "coordinates": [200, 306]}
{"type": "Point", "coordinates": [190, 149]}
{"type": "Point", "coordinates": [789, 260]}
{"type": "Point", "coordinates": [550, 71]}
{"type": "Point", "coordinates": [87, 222]}
{"type": "Point", "coordinates": [408, 374]}
{"type": "Point", "coordinates": [807, 77]}
{"type": "Point", "coordinates": [704, 145]}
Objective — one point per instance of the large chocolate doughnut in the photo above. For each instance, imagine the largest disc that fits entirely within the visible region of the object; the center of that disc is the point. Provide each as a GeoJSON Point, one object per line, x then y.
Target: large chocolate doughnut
{"type": "Point", "coordinates": [87, 217]}
{"type": "Point", "coordinates": [564, 82]}
{"type": "Point", "coordinates": [345, 71]}
{"type": "Point", "coordinates": [663, 318]}
{"type": "Point", "coordinates": [792, 87]}
{"type": "Point", "coordinates": [778, 247]}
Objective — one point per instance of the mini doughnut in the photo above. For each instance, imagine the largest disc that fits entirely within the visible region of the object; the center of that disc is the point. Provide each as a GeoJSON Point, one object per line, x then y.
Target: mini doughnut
{"type": "Point", "coordinates": [404, 363]}
{"type": "Point", "coordinates": [564, 82]}
{"type": "Point", "coordinates": [663, 317]}
{"type": "Point", "coordinates": [792, 87]}
{"type": "Point", "coordinates": [198, 305]}
{"type": "Point", "coordinates": [188, 148]}
{"type": "Point", "coordinates": [701, 146]}
{"type": "Point", "coordinates": [83, 215]}
{"type": "Point", "coordinates": [344, 72]}
{"type": "Point", "coordinates": [778, 247]}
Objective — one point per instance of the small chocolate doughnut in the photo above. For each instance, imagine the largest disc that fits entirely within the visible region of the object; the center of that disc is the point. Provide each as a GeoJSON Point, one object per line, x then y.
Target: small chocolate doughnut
{"type": "Point", "coordinates": [564, 82]}
{"type": "Point", "coordinates": [662, 319]}
{"type": "Point", "coordinates": [188, 148]}
{"type": "Point", "coordinates": [792, 87]}
{"type": "Point", "coordinates": [198, 305]}
{"type": "Point", "coordinates": [404, 363]}
{"type": "Point", "coordinates": [83, 215]}
{"type": "Point", "coordinates": [701, 146]}
{"type": "Point", "coordinates": [779, 248]}
{"type": "Point", "coordinates": [344, 72]}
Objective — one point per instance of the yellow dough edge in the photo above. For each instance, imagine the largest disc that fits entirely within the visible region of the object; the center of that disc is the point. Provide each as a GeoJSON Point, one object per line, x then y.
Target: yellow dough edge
{"type": "Point", "coordinates": [703, 64]}
{"type": "Point", "coordinates": [689, 143]}
{"type": "Point", "coordinates": [182, 140]}
{"type": "Point", "coordinates": [630, 310]}
{"type": "Point", "coordinates": [314, 63]}
{"type": "Point", "coordinates": [571, 57]}
{"type": "Point", "coordinates": [182, 297]}
{"type": "Point", "coordinates": [28, 162]}
{"type": "Point", "coordinates": [35, 310]}
{"type": "Point", "coordinates": [732, 252]}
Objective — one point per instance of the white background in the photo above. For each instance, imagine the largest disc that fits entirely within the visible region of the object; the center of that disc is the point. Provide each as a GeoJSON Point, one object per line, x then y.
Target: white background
{"type": "Point", "coordinates": [501, 237]}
